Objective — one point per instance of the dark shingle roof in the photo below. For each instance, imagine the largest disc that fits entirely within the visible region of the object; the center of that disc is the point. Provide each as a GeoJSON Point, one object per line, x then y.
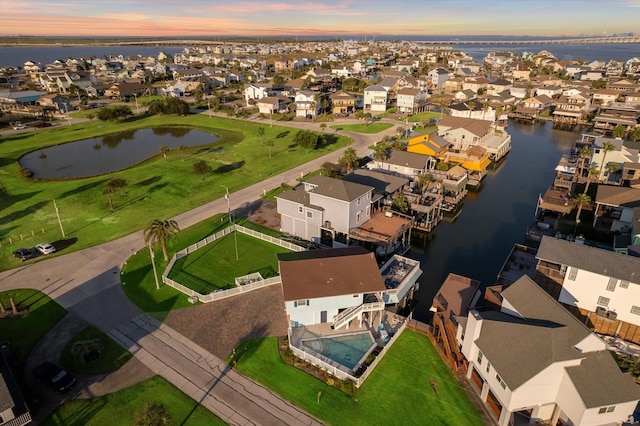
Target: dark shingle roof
{"type": "Point", "coordinates": [381, 182]}
{"type": "Point", "coordinates": [338, 188]}
{"type": "Point", "coordinates": [592, 259]}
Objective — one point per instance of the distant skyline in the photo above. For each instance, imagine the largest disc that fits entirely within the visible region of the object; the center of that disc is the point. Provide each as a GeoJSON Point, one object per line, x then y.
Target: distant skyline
{"type": "Point", "coordinates": [188, 18]}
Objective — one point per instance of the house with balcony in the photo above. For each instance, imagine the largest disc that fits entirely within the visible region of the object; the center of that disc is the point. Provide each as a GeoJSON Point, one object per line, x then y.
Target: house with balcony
{"type": "Point", "coordinates": [463, 133]}
{"type": "Point", "coordinates": [533, 361]}
{"type": "Point", "coordinates": [342, 103]}
{"type": "Point", "coordinates": [411, 101]}
{"type": "Point", "coordinates": [404, 163]}
{"type": "Point", "coordinates": [255, 91]}
{"type": "Point", "coordinates": [306, 104]}
{"type": "Point", "coordinates": [472, 109]}
{"type": "Point", "coordinates": [385, 185]}
{"type": "Point", "coordinates": [324, 210]}
{"type": "Point", "coordinates": [600, 287]}
{"type": "Point", "coordinates": [571, 109]}
{"type": "Point", "coordinates": [273, 105]}
{"type": "Point", "coordinates": [375, 98]}
{"type": "Point", "coordinates": [437, 78]}
{"type": "Point", "coordinates": [619, 155]}
{"type": "Point", "coordinates": [614, 114]}
{"type": "Point", "coordinates": [615, 206]}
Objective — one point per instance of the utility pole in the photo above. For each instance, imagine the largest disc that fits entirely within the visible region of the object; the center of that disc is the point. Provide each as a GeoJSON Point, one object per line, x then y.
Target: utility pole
{"type": "Point", "coordinates": [235, 238]}
{"type": "Point", "coordinates": [58, 215]}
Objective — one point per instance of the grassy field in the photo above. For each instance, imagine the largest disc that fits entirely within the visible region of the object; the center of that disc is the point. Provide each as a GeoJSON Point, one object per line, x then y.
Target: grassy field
{"type": "Point", "coordinates": [423, 116]}
{"type": "Point", "coordinates": [215, 266]}
{"type": "Point", "coordinates": [137, 278]}
{"type": "Point", "coordinates": [112, 357]}
{"type": "Point", "coordinates": [397, 392]}
{"type": "Point", "coordinates": [23, 332]}
{"type": "Point", "coordinates": [156, 188]}
{"type": "Point", "coordinates": [363, 128]}
{"type": "Point", "coordinates": [119, 408]}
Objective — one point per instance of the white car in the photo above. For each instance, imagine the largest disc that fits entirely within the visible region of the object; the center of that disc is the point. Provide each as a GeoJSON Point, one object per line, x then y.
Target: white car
{"type": "Point", "coordinates": [45, 248]}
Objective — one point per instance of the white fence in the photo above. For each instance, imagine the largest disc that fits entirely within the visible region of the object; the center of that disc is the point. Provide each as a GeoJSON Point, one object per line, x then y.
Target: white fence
{"type": "Point", "coordinates": [332, 368]}
{"type": "Point", "coordinates": [222, 294]}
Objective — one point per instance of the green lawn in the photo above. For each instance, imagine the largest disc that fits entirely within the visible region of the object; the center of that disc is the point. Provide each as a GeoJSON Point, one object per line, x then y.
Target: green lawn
{"type": "Point", "coordinates": [363, 128]}
{"type": "Point", "coordinates": [137, 273]}
{"type": "Point", "coordinates": [120, 407]}
{"type": "Point", "coordinates": [423, 116]}
{"type": "Point", "coordinates": [215, 267]}
{"type": "Point", "coordinates": [396, 392]}
{"type": "Point", "coordinates": [112, 357]}
{"type": "Point", "coordinates": [23, 332]}
{"type": "Point", "coordinates": [156, 188]}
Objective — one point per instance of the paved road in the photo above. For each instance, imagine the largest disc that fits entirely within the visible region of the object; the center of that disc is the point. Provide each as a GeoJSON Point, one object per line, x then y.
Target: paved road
{"type": "Point", "coordinates": [87, 283]}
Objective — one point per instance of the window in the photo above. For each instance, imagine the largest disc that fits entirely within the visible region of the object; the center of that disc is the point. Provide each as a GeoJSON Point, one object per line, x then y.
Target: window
{"type": "Point", "coordinates": [603, 301]}
{"type": "Point", "coordinates": [310, 215]}
{"type": "Point", "coordinates": [610, 409]}
{"type": "Point", "coordinates": [624, 284]}
{"type": "Point", "coordinates": [298, 303]}
{"type": "Point", "coordinates": [635, 310]}
{"type": "Point", "coordinates": [572, 274]}
{"type": "Point", "coordinates": [359, 200]}
{"type": "Point", "coordinates": [368, 210]}
{"type": "Point", "coordinates": [602, 410]}
{"type": "Point", "coordinates": [607, 409]}
{"type": "Point", "coordinates": [480, 357]}
{"type": "Point", "coordinates": [358, 217]}
{"type": "Point", "coordinates": [612, 284]}
{"type": "Point", "coordinates": [300, 209]}
{"type": "Point", "coordinates": [488, 366]}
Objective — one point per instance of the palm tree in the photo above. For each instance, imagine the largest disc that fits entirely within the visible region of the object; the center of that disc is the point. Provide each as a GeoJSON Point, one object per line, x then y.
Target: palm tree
{"type": "Point", "coordinates": [380, 152]}
{"type": "Point", "coordinates": [164, 150]}
{"type": "Point", "coordinates": [581, 199]}
{"type": "Point", "coordinates": [612, 168]}
{"type": "Point", "coordinates": [158, 232]}
{"type": "Point", "coordinates": [82, 349]}
{"type": "Point", "coordinates": [323, 126]}
{"type": "Point", "coordinates": [151, 414]}
{"type": "Point", "coordinates": [424, 180]}
{"type": "Point", "coordinates": [349, 159]}
{"type": "Point", "coordinates": [201, 168]}
{"type": "Point", "coordinates": [269, 143]}
{"type": "Point", "coordinates": [606, 148]}
{"type": "Point", "coordinates": [593, 172]}
{"type": "Point", "coordinates": [584, 153]}
{"type": "Point", "coordinates": [260, 133]}
{"type": "Point", "coordinates": [108, 191]}
{"type": "Point", "coordinates": [118, 183]}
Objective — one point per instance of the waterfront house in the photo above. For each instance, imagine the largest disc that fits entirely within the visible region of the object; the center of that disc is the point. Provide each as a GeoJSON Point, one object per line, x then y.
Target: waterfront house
{"type": "Point", "coordinates": [614, 114]}
{"type": "Point", "coordinates": [572, 108]}
{"type": "Point", "coordinates": [317, 285]}
{"type": "Point", "coordinates": [498, 86]}
{"type": "Point", "coordinates": [472, 109]}
{"type": "Point", "coordinates": [600, 287]}
{"type": "Point", "coordinates": [606, 96]}
{"type": "Point", "coordinates": [404, 163]}
{"type": "Point", "coordinates": [614, 208]}
{"type": "Point", "coordinates": [323, 204]}
{"type": "Point", "coordinates": [375, 98]}
{"type": "Point", "coordinates": [437, 78]}
{"type": "Point", "coordinates": [466, 132]}
{"type": "Point", "coordinates": [533, 360]}
{"type": "Point", "coordinates": [619, 155]}
{"type": "Point", "coordinates": [385, 185]}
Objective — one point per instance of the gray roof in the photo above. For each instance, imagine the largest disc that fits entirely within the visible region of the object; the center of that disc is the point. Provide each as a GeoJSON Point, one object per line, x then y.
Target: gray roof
{"type": "Point", "coordinates": [337, 188]}
{"type": "Point", "coordinates": [383, 183]}
{"type": "Point", "coordinates": [407, 159]}
{"type": "Point", "coordinates": [599, 382]}
{"type": "Point", "coordinates": [300, 196]}
{"type": "Point", "coordinates": [546, 334]}
{"type": "Point", "coordinates": [375, 88]}
{"type": "Point", "coordinates": [592, 259]}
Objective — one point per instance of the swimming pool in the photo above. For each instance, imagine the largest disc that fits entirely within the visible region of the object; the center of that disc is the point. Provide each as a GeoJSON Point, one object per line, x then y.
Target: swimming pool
{"type": "Point", "coordinates": [345, 349]}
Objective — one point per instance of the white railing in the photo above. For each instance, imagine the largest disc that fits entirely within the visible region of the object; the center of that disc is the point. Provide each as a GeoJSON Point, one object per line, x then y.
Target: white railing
{"type": "Point", "coordinates": [334, 369]}
{"type": "Point", "coordinates": [22, 419]}
{"type": "Point", "coordinates": [222, 294]}
{"type": "Point", "coordinates": [345, 316]}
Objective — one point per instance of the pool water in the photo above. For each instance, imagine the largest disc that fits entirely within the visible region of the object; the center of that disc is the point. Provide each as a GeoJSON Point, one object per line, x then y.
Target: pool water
{"type": "Point", "coordinates": [347, 350]}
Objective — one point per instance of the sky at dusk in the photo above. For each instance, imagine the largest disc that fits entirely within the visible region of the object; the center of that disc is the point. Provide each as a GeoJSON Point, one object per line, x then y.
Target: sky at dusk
{"type": "Point", "coordinates": [175, 18]}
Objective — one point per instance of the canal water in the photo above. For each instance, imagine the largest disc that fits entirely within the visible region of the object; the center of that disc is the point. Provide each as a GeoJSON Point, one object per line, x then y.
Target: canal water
{"type": "Point", "coordinates": [496, 216]}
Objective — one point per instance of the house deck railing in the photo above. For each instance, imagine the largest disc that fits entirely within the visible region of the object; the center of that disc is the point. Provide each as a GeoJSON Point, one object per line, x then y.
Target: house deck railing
{"type": "Point", "coordinates": [22, 419]}
{"type": "Point", "coordinates": [344, 317]}
{"type": "Point", "coordinates": [222, 294]}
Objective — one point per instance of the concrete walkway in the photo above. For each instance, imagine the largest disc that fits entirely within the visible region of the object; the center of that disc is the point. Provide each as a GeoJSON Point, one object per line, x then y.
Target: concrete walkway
{"type": "Point", "coordinates": [87, 283]}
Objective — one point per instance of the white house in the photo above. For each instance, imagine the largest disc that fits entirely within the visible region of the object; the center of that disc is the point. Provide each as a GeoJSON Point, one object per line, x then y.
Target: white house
{"type": "Point", "coordinates": [306, 105]}
{"type": "Point", "coordinates": [319, 284]}
{"type": "Point", "coordinates": [411, 100]}
{"type": "Point", "coordinates": [464, 133]}
{"type": "Point", "coordinates": [375, 98]}
{"type": "Point", "coordinates": [533, 359]}
{"type": "Point", "coordinates": [407, 164]}
{"type": "Point", "coordinates": [323, 204]}
{"type": "Point", "coordinates": [273, 105]}
{"type": "Point", "coordinates": [601, 283]}
{"type": "Point", "coordinates": [256, 91]}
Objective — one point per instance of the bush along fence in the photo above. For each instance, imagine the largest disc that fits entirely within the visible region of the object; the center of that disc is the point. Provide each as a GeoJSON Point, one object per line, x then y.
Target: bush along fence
{"type": "Point", "coordinates": [252, 284]}
{"type": "Point", "coordinates": [337, 370]}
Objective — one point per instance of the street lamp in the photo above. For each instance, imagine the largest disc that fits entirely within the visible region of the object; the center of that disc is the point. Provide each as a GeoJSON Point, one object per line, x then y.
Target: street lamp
{"type": "Point", "coordinates": [235, 238]}
{"type": "Point", "coordinates": [136, 98]}
{"type": "Point", "coordinates": [67, 110]}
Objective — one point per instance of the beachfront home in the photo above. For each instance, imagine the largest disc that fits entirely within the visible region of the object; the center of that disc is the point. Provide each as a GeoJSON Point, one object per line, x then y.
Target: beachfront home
{"type": "Point", "coordinates": [306, 104]}
{"type": "Point", "coordinates": [600, 287]}
{"type": "Point", "coordinates": [322, 204]}
{"type": "Point", "coordinates": [619, 155]}
{"type": "Point", "coordinates": [533, 361]}
{"type": "Point", "coordinates": [411, 101]}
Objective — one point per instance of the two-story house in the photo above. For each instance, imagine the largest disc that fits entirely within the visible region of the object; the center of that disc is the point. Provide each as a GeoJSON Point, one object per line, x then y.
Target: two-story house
{"type": "Point", "coordinates": [256, 91]}
{"type": "Point", "coordinates": [404, 163]}
{"type": "Point", "coordinates": [437, 77]}
{"type": "Point", "coordinates": [306, 104]}
{"type": "Point", "coordinates": [342, 102]}
{"type": "Point", "coordinates": [599, 286]}
{"type": "Point", "coordinates": [533, 359]}
{"type": "Point", "coordinates": [375, 98]}
{"type": "Point", "coordinates": [273, 105]}
{"type": "Point", "coordinates": [411, 101]}
{"type": "Point", "coordinates": [323, 204]}
{"type": "Point", "coordinates": [466, 132]}
{"type": "Point", "coordinates": [572, 108]}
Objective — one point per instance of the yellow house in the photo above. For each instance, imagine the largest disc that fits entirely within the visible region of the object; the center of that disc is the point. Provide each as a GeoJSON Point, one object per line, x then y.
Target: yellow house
{"type": "Point", "coordinates": [474, 158]}
{"type": "Point", "coordinates": [428, 143]}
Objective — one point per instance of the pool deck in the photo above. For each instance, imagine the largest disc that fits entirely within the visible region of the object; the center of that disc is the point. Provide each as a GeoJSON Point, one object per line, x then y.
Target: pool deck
{"type": "Point", "coordinates": [391, 321]}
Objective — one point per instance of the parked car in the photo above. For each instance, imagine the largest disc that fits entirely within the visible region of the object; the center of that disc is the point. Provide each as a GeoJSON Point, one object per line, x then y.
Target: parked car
{"type": "Point", "coordinates": [45, 248]}
{"type": "Point", "coordinates": [26, 253]}
{"type": "Point", "coordinates": [57, 378]}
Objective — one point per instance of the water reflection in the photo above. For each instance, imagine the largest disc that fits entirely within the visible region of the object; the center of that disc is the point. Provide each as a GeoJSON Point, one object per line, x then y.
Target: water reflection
{"type": "Point", "coordinates": [87, 158]}
{"type": "Point", "coordinates": [496, 216]}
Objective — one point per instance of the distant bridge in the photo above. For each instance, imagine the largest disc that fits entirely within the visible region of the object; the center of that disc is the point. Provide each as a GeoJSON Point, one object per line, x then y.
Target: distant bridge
{"type": "Point", "coordinates": [585, 40]}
